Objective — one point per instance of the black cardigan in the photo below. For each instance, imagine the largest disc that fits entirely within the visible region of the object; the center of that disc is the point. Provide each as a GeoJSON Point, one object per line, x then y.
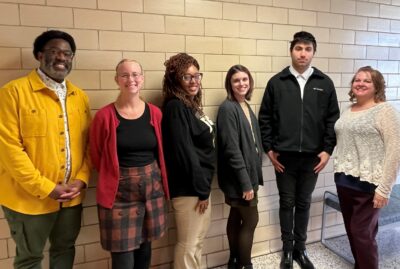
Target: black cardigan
{"type": "Point", "coordinates": [189, 151]}
{"type": "Point", "coordinates": [239, 163]}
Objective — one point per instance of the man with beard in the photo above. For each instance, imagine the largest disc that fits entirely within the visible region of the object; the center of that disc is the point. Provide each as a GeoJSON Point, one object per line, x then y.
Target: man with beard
{"type": "Point", "coordinates": [44, 168]}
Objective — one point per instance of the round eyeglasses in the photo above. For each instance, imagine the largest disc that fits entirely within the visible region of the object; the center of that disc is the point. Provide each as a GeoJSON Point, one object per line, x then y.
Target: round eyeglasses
{"type": "Point", "coordinates": [68, 54]}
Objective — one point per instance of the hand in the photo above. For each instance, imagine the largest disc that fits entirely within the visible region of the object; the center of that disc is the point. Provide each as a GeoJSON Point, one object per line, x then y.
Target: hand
{"type": "Point", "coordinates": [67, 192]}
{"type": "Point", "coordinates": [323, 160]}
{"type": "Point", "coordinates": [74, 189]}
{"type": "Point", "coordinates": [273, 156]}
{"type": "Point", "coordinates": [201, 206]}
{"type": "Point", "coordinates": [248, 195]}
{"type": "Point", "coordinates": [380, 201]}
{"type": "Point", "coordinates": [58, 191]}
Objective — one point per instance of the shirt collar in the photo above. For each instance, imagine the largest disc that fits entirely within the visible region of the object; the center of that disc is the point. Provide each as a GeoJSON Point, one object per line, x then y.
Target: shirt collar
{"type": "Point", "coordinates": [51, 83]}
{"type": "Point", "coordinates": [306, 74]}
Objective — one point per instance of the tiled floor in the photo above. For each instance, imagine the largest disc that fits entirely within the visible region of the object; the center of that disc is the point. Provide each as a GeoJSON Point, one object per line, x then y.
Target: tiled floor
{"type": "Point", "coordinates": [389, 248]}
{"type": "Point", "coordinates": [320, 256]}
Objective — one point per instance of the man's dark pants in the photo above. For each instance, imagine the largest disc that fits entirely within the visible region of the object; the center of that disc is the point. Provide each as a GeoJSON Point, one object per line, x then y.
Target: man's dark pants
{"type": "Point", "coordinates": [295, 186]}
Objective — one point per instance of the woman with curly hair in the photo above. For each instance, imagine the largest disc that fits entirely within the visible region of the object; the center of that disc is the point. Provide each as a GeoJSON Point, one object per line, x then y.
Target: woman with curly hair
{"type": "Point", "coordinates": [190, 155]}
{"type": "Point", "coordinates": [367, 162]}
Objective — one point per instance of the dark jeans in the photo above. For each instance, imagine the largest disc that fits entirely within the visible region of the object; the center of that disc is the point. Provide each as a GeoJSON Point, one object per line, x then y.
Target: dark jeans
{"type": "Point", "coordinates": [295, 185]}
{"type": "Point", "coordinates": [361, 223]}
{"type": "Point", "coordinates": [30, 233]}
{"type": "Point", "coordinates": [139, 258]}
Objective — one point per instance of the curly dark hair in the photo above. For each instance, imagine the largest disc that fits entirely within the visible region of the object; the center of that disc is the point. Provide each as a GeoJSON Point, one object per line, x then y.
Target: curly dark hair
{"type": "Point", "coordinates": [175, 68]}
{"type": "Point", "coordinates": [377, 79]}
{"type": "Point", "coordinates": [45, 37]}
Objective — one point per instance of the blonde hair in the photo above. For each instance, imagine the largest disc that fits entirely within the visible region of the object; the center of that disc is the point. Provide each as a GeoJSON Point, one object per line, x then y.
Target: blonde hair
{"type": "Point", "coordinates": [128, 60]}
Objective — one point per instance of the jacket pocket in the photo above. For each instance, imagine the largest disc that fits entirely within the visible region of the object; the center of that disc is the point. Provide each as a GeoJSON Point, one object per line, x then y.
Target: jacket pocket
{"type": "Point", "coordinates": [33, 122]}
{"type": "Point", "coordinates": [18, 232]}
{"type": "Point", "coordinates": [74, 119]}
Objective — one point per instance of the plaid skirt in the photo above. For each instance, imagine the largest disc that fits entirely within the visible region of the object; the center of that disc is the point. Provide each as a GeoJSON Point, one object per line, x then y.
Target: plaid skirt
{"type": "Point", "coordinates": [139, 212]}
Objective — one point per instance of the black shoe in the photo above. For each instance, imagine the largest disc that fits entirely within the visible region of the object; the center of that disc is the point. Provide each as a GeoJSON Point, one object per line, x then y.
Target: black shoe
{"type": "Point", "coordinates": [287, 260]}
{"type": "Point", "coordinates": [249, 266]}
{"type": "Point", "coordinates": [232, 264]}
{"type": "Point", "coordinates": [300, 256]}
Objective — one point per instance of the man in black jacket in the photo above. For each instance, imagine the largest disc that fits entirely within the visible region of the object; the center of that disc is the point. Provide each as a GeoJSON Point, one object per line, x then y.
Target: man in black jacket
{"type": "Point", "coordinates": [297, 116]}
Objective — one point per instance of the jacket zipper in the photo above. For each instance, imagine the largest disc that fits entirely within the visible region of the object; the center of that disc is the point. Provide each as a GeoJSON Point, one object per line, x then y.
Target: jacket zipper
{"type": "Point", "coordinates": [301, 125]}
{"type": "Point", "coordinates": [302, 117]}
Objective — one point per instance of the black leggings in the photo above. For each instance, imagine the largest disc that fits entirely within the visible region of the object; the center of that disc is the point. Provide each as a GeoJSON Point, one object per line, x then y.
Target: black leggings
{"type": "Point", "coordinates": [240, 228]}
{"type": "Point", "coordinates": [136, 259]}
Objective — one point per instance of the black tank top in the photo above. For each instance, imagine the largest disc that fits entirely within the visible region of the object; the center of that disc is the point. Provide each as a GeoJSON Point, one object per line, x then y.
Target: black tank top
{"type": "Point", "coordinates": [136, 140]}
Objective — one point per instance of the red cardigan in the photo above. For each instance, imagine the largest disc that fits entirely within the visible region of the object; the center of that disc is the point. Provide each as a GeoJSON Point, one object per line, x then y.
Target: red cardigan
{"type": "Point", "coordinates": [103, 151]}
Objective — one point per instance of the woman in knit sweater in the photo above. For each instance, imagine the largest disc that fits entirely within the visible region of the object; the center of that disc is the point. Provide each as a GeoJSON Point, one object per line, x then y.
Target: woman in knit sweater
{"type": "Point", "coordinates": [367, 162]}
{"type": "Point", "coordinates": [126, 150]}
{"type": "Point", "coordinates": [239, 164]}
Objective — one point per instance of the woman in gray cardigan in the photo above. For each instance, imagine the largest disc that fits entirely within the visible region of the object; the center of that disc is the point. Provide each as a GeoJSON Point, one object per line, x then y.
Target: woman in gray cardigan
{"type": "Point", "coordinates": [239, 164]}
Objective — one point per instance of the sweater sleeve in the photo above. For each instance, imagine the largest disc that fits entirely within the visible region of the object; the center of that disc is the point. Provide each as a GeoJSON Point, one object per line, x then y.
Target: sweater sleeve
{"type": "Point", "coordinates": [183, 149]}
{"type": "Point", "coordinates": [389, 127]}
{"type": "Point", "coordinates": [228, 142]}
{"type": "Point", "coordinates": [98, 133]}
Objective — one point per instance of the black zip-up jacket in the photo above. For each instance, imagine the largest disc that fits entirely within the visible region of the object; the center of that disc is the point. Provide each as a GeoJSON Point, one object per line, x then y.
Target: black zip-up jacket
{"type": "Point", "coordinates": [239, 154]}
{"type": "Point", "coordinates": [290, 124]}
{"type": "Point", "coordinates": [188, 150]}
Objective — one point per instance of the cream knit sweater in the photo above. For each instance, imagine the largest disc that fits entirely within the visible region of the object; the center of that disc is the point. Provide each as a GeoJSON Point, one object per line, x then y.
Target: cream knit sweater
{"type": "Point", "coordinates": [368, 145]}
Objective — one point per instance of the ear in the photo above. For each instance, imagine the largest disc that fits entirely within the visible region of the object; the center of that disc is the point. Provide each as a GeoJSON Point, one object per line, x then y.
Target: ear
{"type": "Point", "coordinates": [116, 79]}
{"type": "Point", "coordinates": [40, 56]}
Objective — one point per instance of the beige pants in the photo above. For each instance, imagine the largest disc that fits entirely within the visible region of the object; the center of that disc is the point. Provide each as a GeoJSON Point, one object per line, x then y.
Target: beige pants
{"type": "Point", "coordinates": [191, 228]}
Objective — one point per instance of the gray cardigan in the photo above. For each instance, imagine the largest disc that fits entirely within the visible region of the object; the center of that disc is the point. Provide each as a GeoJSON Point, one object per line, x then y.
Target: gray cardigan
{"type": "Point", "coordinates": [239, 163]}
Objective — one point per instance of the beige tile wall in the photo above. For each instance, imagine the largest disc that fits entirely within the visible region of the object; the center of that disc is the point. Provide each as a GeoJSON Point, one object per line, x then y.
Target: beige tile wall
{"type": "Point", "coordinates": [219, 33]}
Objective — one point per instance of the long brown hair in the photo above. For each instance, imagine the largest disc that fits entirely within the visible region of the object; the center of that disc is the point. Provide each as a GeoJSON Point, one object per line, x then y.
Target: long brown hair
{"type": "Point", "coordinates": [228, 85]}
{"type": "Point", "coordinates": [175, 68]}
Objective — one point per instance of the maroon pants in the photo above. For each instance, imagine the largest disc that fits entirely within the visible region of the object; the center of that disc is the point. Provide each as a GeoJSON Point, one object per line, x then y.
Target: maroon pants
{"type": "Point", "coordinates": [361, 223]}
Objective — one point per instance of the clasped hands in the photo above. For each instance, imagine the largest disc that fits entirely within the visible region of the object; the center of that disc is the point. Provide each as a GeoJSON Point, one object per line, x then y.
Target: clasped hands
{"type": "Point", "coordinates": [67, 192]}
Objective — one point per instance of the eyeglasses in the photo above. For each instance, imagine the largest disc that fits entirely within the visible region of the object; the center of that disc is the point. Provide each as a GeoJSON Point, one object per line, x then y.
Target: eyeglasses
{"type": "Point", "coordinates": [197, 77]}
{"type": "Point", "coordinates": [57, 52]}
{"type": "Point", "coordinates": [134, 75]}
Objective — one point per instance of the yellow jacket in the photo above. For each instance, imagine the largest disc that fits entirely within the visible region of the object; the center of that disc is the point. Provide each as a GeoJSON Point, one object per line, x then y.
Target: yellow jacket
{"type": "Point", "coordinates": [32, 144]}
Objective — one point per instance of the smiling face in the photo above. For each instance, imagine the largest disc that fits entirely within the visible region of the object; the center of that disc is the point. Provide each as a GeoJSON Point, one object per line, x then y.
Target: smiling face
{"type": "Point", "coordinates": [302, 55]}
{"type": "Point", "coordinates": [363, 87]}
{"type": "Point", "coordinates": [129, 77]}
{"type": "Point", "coordinates": [240, 83]}
{"type": "Point", "coordinates": [191, 86]}
{"type": "Point", "coordinates": [56, 59]}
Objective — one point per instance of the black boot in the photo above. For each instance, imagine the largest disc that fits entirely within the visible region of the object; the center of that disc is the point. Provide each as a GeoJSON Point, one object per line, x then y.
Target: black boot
{"type": "Point", "coordinates": [301, 257]}
{"type": "Point", "coordinates": [232, 263]}
{"type": "Point", "coordinates": [287, 260]}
